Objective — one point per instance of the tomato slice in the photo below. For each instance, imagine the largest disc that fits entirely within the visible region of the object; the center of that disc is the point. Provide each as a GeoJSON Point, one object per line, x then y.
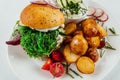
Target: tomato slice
{"type": "Point", "coordinates": [47, 64]}
{"type": "Point", "coordinates": [57, 69]}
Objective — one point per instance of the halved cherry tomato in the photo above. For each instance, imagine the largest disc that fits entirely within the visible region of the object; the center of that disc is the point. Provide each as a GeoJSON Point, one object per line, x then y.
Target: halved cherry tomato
{"type": "Point", "coordinates": [57, 56]}
{"type": "Point", "coordinates": [47, 64]}
{"type": "Point", "coordinates": [57, 69]}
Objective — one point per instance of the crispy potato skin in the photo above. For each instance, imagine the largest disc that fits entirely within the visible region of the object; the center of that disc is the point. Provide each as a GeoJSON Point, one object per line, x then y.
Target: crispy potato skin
{"type": "Point", "coordinates": [93, 41]}
{"type": "Point", "coordinates": [89, 27]}
{"type": "Point", "coordinates": [69, 55]}
{"type": "Point", "coordinates": [85, 65]}
{"type": "Point", "coordinates": [93, 54]}
{"type": "Point", "coordinates": [101, 31]}
{"type": "Point", "coordinates": [70, 28]}
{"type": "Point", "coordinates": [79, 44]}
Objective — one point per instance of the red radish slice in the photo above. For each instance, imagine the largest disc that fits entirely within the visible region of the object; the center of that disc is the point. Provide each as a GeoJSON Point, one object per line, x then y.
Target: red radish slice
{"type": "Point", "coordinates": [91, 11]}
{"type": "Point", "coordinates": [99, 12]}
{"type": "Point", "coordinates": [103, 18]}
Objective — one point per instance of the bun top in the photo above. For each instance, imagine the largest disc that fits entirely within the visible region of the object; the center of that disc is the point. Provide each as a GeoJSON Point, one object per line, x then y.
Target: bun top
{"type": "Point", "coordinates": [41, 16]}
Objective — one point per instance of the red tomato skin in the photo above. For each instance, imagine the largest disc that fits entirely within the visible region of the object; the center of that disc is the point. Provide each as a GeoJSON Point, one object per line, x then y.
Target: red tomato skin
{"type": "Point", "coordinates": [57, 56]}
{"type": "Point", "coordinates": [57, 69]}
{"type": "Point", "coordinates": [47, 64]}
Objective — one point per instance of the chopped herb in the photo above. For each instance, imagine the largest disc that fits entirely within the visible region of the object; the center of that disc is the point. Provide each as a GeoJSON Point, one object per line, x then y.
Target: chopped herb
{"type": "Point", "coordinates": [67, 70]}
{"type": "Point", "coordinates": [102, 24]}
{"type": "Point", "coordinates": [70, 75]}
{"type": "Point", "coordinates": [73, 7]}
{"type": "Point", "coordinates": [102, 53]}
{"type": "Point", "coordinates": [75, 72]}
{"type": "Point", "coordinates": [112, 30]}
{"type": "Point", "coordinates": [109, 46]}
{"type": "Point", "coordinates": [15, 29]}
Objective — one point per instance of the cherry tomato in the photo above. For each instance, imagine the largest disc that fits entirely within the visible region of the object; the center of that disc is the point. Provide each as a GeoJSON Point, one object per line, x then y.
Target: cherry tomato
{"type": "Point", "coordinates": [57, 56]}
{"type": "Point", "coordinates": [57, 69]}
{"type": "Point", "coordinates": [47, 64]}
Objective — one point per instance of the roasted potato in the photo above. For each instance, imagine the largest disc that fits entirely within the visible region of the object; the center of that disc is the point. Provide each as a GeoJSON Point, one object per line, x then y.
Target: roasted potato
{"type": "Point", "coordinates": [85, 65]}
{"type": "Point", "coordinates": [93, 54]}
{"type": "Point", "coordinates": [101, 31]}
{"type": "Point", "coordinates": [69, 55]}
{"type": "Point", "coordinates": [88, 21]}
{"type": "Point", "coordinates": [89, 27]}
{"type": "Point", "coordinates": [79, 44]}
{"type": "Point", "coordinates": [70, 28]}
{"type": "Point", "coordinates": [93, 41]}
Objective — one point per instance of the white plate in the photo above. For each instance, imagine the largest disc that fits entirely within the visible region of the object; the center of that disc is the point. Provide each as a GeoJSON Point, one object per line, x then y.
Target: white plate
{"type": "Point", "coordinates": [29, 69]}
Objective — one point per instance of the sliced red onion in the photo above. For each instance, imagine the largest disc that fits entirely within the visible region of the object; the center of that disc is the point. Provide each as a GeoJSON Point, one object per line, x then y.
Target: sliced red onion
{"type": "Point", "coordinates": [103, 18]}
{"type": "Point", "coordinates": [98, 13]}
{"type": "Point", "coordinates": [91, 11]}
{"type": "Point", "coordinates": [15, 40]}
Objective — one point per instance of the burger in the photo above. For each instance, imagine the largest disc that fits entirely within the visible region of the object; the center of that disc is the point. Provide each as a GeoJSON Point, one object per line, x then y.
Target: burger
{"type": "Point", "coordinates": [39, 30]}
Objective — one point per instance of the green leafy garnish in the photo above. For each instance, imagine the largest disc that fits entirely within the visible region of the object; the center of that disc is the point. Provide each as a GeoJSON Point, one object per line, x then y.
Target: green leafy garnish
{"type": "Point", "coordinates": [38, 43]}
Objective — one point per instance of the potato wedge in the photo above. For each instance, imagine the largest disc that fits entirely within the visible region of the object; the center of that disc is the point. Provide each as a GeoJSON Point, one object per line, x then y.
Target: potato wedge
{"type": "Point", "coordinates": [101, 31]}
{"type": "Point", "coordinates": [85, 65]}
{"type": "Point", "coordinates": [79, 44]}
{"type": "Point", "coordinates": [70, 28]}
{"type": "Point", "coordinates": [93, 41]}
{"type": "Point", "coordinates": [69, 55]}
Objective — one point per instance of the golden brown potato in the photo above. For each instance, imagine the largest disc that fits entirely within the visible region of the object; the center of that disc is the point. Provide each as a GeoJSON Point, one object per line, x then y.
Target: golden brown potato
{"type": "Point", "coordinates": [79, 44]}
{"type": "Point", "coordinates": [88, 21]}
{"type": "Point", "coordinates": [101, 31]}
{"type": "Point", "coordinates": [93, 54]}
{"type": "Point", "coordinates": [89, 27]}
{"type": "Point", "coordinates": [69, 55]}
{"type": "Point", "coordinates": [70, 28]}
{"type": "Point", "coordinates": [85, 65]}
{"type": "Point", "coordinates": [93, 41]}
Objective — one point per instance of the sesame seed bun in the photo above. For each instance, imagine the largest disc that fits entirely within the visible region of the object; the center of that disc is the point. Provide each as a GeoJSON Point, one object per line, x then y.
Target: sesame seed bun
{"type": "Point", "coordinates": [41, 16]}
